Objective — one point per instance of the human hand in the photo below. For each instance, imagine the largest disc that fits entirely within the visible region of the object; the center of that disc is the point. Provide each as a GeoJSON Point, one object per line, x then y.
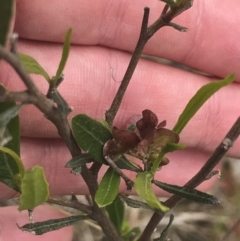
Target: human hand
{"type": "Point", "coordinates": [103, 34]}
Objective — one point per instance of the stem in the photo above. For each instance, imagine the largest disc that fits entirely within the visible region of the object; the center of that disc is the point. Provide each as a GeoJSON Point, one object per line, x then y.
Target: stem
{"type": "Point", "coordinates": [157, 162]}
{"type": "Point", "coordinates": [111, 113]}
{"type": "Point", "coordinates": [61, 122]}
{"type": "Point", "coordinates": [217, 155]}
{"type": "Point", "coordinates": [129, 182]}
{"type": "Point", "coordinates": [145, 34]}
{"type": "Point", "coordinates": [72, 204]}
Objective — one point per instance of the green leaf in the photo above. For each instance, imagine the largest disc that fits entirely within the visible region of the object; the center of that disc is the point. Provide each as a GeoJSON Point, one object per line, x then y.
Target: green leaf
{"type": "Point", "coordinates": [32, 66]}
{"type": "Point", "coordinates": [35, 189]}
{"type": "Point", "coordinates": [198, 100]}
{"type": "Point", "coordinates": [116, 213]}
{"type": "Point", "coordinates": [40, 228]}
{"type": "Point", "coordinates": [143, 187]}
{"type": "Point", "coordinates": [164, 233]}
{"type": "Point", "coordinates": [90, 135]}
{"type": "Point", "coordinates": [11, 168]}
{"type": "Point", "coordinates": [188, 193]}
{"type": "Point", "coordinates": [79, 160]}
{"type": "Point", "coordinates": [134, 203]}
{"type": "Point", "coordinates": [65, 53]}
{"type": "Point", "coordinates": [108, 188]}
{"type": "Point", "coordinates": [124, 163]}
{"type": "Point", "coordinates": [171, 3]}
{"type": "Point", "coordinates": [6, 14]}
{"type": "Point", "coordinates": [9, 121]}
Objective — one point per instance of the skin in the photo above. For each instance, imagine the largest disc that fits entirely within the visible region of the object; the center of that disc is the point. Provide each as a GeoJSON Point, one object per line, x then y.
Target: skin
{"type": "Point", "coordinates": [104, 32]}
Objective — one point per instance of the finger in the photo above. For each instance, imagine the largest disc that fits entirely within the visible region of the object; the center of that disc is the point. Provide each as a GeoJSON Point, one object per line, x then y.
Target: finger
{"type": "Point", "coordinates": [10, 216]}
{"type": "Point", "coordinates": [90, 88]}
{"type": "Point", "coordinates": [53, 155]}
{"type": "Point", "coordinates": [211, 45]}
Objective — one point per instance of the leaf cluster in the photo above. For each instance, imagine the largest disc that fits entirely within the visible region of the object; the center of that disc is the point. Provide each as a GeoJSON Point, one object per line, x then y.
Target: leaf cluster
{"type": "Point", "coordinates": [141, 148]}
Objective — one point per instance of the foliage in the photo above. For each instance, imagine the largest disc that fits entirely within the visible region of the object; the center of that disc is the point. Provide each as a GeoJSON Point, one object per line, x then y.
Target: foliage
{"type": "Point", "coordinates": [6, 12]}
{"type": "Point", "coordinates": [99, 143]}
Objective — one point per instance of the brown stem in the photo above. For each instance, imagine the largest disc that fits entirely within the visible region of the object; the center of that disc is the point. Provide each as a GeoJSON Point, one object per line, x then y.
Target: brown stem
{"type": "Point", "coordinates": [128, 181]}
{"type": "Point", "coordinates": [217, 155]}
{"type": "Point", "coordinates": [60, 121]}
{"type": "Point", "coordinates": [72, 204]}
{"type": "Point", "coordinates": [145, 34]}
{"type": "Point", "coordinates": [95, 168]}
{"type": "Point", "coordinates": [111, 113]}
{"type": "Point", "coordinates": [22, 96]}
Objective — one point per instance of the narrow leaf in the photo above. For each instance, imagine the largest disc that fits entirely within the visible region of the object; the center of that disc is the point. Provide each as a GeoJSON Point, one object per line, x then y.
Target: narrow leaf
{"type": "Point", "coordinates": [77, 162]}
{"type": "Point", "coordinates": [80, 160]}
{"type": "Point", "coordinates": [32, 66]}
{"type": "Point", "coordinates": [40, 228]}
{"type": "Point", "coordinates": [65, 53]}
{"type": "Point", "coordinates": [124, 163]}
{"type": "Point", "coordinates": [116, 213]}
{"type": "Point", "coordinates": [164, 233]}
{"type": "Point", "coordinates": [35, 189]}
{"type": "Point", "coordinates": [143, 187]}
{"type": "Point", "coordinates": [76, 170]}
{"type": "Point", "coordinates": [188, 193]}
{"type": "Point", "coordinates": [90, 135]}
{"type": "Point", "coordinates": [198, 100]}
{"type": "Point", "coordinates": [135, 203]}
{"type": "Point", "coordinates": [108, 188]}
{"type": "Point", "coordinates": [6, 13]}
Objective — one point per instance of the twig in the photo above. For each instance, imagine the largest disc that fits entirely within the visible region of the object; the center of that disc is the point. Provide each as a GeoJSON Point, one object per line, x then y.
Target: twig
{"type": "Point", "coordinates": [13, 42]}
{"type": "Point", "coordinates": [96, 166]}
{"type": "Point", "coordinates": [72, 204]}
{"type": "Point", "coordinates": [46, 106]}
{"type": "Point", "coordinates": [129, 182]}
{"type": "Point", "coordinates": [217, 155]}
{"type": "Point", "coordinates": [22, 96]}
{"type": "Point", "coordinates": [145, 34]}
{"type": "Point", "coordinates": [111, 113]}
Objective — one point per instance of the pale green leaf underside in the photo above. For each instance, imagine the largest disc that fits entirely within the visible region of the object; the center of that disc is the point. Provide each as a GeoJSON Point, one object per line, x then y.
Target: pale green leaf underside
{"type": "Point", "coordinates": [35, 189]}
{"type": "Point", "coordinates": [143, 187]}
{"type": "Point", "coordinates": [32, 66]}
